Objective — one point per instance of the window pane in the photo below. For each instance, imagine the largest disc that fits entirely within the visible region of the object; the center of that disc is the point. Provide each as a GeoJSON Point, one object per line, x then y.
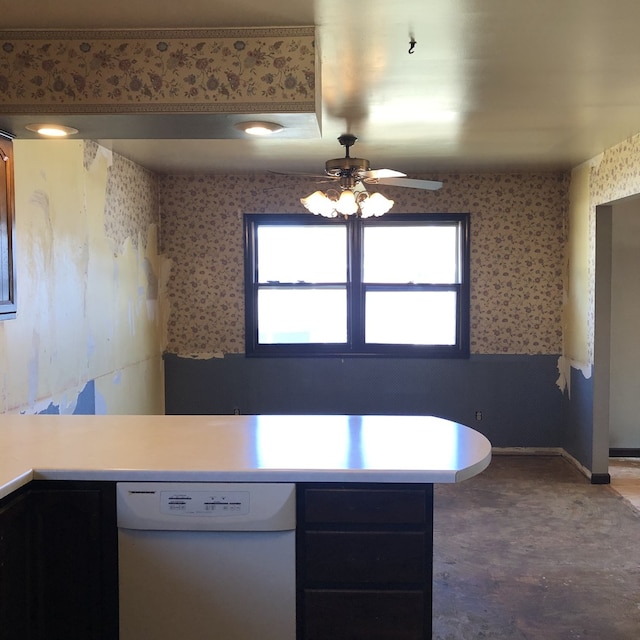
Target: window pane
{"type": "Point", "coordinates": [410, 317]}
{"type": "Point", "coordinates": [301, 316]}
{"type": "Point", "coordinates": [418, 254]}
{"type": "Point", "coordinates": [303, 253]}
{"type": "Point", "coordinates": [396, 285]}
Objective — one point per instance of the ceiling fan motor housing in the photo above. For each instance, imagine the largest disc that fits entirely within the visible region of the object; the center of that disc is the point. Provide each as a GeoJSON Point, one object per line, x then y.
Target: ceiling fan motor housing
{"type": "Point", "coordinates": [347, 168]}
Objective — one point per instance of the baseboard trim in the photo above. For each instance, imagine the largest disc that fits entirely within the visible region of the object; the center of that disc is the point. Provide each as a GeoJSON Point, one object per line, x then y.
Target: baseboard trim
{"type": "Point", "coordinates": [527, 451]}
{"type": "Point", "coordinates": [624, 452]}
{"type": "Point", "coordinates": [594, 478]}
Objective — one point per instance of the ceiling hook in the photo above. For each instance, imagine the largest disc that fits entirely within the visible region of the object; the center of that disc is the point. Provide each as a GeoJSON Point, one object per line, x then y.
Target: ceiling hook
{"type": "Point", "coordinates": [412, 44]}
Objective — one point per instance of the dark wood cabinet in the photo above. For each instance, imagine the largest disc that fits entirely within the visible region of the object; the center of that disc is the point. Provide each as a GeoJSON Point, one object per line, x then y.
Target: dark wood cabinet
{"type": "Point", "coordinates": [64, 576]}
{"type": "Point", "coordinates": [14, 568]}
{"type": "Point", "coordinates": [364, 562]}
{"type": "Point", "coordinates": [365, 554]}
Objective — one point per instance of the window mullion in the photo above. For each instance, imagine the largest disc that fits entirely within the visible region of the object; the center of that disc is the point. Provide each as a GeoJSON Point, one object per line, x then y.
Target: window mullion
{"type": "Point", "coordinates": [356, 286]}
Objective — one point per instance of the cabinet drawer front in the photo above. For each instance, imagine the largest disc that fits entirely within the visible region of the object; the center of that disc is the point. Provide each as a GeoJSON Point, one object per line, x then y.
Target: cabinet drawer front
{"type": "Point", "coordinates": [354, 506]}
{"type": "Point", "coordinates": [365, 557]}
{"type": "Point", "coordinates": [372, 615]}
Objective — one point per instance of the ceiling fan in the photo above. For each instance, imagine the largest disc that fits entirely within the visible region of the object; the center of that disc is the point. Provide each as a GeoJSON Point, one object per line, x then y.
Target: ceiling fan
{"type": "Point", "coordinates": [353, 170]}
{"type": "Point", "coordinates": [352, 174]}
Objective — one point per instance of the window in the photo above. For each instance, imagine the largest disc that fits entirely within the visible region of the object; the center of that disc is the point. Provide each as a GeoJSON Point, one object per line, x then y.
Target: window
{"type": "Point", "coordinates": [396, 286]}
{"type": "Point", "coordinates": [7, 263]}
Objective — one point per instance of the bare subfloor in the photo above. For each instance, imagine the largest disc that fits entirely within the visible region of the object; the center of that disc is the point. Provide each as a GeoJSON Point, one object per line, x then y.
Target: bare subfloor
{"type": "Point", "coordinates": [529, 549]}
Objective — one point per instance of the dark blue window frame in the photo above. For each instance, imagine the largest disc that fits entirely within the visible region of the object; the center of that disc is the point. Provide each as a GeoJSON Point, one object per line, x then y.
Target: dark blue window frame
{"type": "Point", "coordinates": [357, 289]}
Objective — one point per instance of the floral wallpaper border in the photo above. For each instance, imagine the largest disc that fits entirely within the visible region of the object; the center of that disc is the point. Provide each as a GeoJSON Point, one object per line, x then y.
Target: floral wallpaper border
{"type": "Point", "coordinates": [165, 70]}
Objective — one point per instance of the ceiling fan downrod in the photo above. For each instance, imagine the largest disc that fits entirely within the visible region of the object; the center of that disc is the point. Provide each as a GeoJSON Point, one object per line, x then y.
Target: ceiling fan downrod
{"type": "Point", "coordinates": [347, 140]}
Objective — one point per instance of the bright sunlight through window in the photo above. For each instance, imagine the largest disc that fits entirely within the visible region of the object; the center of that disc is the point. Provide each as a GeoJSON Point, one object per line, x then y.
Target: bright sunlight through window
{"type": "Point", "coordinates": [396, 285]}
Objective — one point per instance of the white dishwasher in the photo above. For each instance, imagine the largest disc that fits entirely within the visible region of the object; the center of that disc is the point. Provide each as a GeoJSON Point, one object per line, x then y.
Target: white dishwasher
{"type": "Point", "coordinates": [206, 561]}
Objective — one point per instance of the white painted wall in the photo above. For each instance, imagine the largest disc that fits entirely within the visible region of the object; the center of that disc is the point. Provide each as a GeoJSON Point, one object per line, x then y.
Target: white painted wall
{"type": "Point", "coordinates": [624, 401]}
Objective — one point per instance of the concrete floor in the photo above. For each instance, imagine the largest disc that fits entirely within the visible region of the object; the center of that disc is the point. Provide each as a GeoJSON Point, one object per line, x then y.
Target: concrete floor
{"type": "Point", "coordinates": [530, 550]}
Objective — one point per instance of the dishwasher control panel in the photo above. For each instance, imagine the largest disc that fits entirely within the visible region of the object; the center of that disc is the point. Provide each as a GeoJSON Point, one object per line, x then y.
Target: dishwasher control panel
{"type": "Point", "coordinates": [206, 506]}
{"type": "Point", "coordinates": [204, 503]}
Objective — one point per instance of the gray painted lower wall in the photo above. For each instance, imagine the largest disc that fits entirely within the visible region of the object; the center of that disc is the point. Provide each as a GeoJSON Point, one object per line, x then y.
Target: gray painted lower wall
{"type": "Point", "coordinates": [521, 404]}
{"type": "Point", "coordinates": [578, 440]}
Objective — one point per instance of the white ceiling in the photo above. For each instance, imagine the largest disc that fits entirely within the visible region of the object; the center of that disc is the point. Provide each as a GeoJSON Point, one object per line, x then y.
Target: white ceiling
{"type": "Point", "coordinates": [491, 83]}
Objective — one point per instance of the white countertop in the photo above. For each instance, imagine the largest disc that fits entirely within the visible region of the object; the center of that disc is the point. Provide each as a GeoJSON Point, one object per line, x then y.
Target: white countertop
{"type": "Point", "coordinates": [414, 449]}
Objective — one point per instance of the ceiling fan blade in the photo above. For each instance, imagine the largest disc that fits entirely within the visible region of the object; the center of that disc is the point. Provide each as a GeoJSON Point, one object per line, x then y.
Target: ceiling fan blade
{"type": "Point", "coordinates": [376, 174]}
{"type": "Point", "coordinates": [430, 185]}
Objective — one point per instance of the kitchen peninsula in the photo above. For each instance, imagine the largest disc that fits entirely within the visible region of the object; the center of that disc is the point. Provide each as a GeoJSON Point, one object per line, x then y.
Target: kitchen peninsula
{"type": "Point", "coordinates": [358, 478]}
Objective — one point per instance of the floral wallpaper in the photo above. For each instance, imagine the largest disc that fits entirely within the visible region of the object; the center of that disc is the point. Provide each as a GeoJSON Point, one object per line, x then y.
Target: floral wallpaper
{"type": "Point", "coordinates": [178, 70]}
{"type": "Point", "coordinates": [615, 174]}
{"type": "Point", "coordinates": [517, 245]}
{"type": "Point", "coordinates": [131, 205]}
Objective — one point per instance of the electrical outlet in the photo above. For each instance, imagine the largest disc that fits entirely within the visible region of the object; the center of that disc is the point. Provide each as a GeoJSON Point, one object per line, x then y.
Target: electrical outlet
{"type": "Point", "coordinates": [478, 415]}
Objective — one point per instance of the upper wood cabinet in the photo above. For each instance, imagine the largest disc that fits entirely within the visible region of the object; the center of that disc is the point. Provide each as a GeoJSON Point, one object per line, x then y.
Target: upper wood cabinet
{"type": "Point", "coordinates": [7, 234]}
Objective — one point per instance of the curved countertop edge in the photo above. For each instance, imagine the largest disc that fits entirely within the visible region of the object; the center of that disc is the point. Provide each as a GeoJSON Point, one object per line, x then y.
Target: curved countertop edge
{"type": "Point", "coordinates": [263, 475]}
{"type": "Point", "coordinates": [80, 451]}
{"type": "Point", "coordinates": [250, 475]}
{"type": "Point", "coordinates": [475, 469]}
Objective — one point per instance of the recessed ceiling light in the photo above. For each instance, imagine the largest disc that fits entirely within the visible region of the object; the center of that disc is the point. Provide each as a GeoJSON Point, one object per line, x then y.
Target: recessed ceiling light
{"type": "Point", "coordinates": [259, 128]}
{"type": "Point", "coordinates": [51, 130]}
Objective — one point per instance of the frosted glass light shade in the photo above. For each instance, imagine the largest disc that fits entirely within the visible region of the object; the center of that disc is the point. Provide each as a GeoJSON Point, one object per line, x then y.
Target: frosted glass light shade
{"type": "Point", "coordinates": [375, 205]}
{"type": "Point", "coordinates": [318, 204]}
{"type": "Point", "coordinates": [347, 204]}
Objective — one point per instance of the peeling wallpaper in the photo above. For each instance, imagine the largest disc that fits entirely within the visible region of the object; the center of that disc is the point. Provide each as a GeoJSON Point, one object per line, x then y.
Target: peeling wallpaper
{"type": "Point", "coordinates": [100, 294]}
{"type": "Point", "coordinates": [615, 174]}
{"type": "Point", "coordinates": [518, 229]}
{"type": "Point", "coordinates": [611, 176]}
{"type": "Point", "coordinates": [90, 313]}
{"type": "Point", "coordinates": [131, 206]}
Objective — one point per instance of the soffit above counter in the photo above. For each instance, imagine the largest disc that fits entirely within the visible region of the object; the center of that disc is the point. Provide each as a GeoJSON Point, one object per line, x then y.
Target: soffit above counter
{"type": "Point", "coordinates": [160, 84]}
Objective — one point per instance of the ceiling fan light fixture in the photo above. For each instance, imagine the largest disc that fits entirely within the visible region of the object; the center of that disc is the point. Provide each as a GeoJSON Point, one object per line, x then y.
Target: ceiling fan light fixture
{"type": "Point", "coordinates": [259, 128]}
{"type": "Point", "coordinates": [348, 203]}
{"type": "Point", "coordinates": [353, 199]}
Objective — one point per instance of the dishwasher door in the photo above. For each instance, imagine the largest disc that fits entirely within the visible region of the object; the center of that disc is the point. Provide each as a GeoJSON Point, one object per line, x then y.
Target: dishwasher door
{"type": "Point", "coordinates": [206, 561]}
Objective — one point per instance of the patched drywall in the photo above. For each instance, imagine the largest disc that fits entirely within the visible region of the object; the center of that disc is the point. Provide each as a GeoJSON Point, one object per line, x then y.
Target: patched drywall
{"type": "Point", "coordinates": [88, 305]}
{"type": "Point", "coordinates": [575, 327]}
{"type": "Point", "coordinates": [575, 310]}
